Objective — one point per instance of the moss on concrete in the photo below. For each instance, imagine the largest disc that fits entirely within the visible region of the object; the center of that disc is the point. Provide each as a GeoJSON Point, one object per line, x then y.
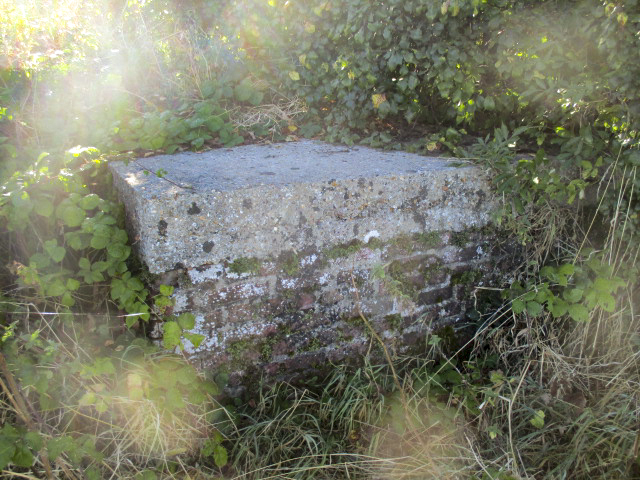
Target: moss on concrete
{"type": "Point", "coordinates": [245, 265]}
{"type": "Point", "coordinates": [459, 239]}
{"type": "Point", "coordinates": [343, 249]}
{"type": "Point", "coordinates": [290, 263]}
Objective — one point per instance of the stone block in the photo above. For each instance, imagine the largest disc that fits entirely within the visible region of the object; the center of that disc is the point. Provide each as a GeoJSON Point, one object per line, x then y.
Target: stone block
{"type": "Point", "coordinates": [272, 247]}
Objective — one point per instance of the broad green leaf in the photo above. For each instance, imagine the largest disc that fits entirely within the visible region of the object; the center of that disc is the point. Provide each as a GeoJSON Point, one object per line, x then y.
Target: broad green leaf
{"type": "Point", "coordinates": [7, 449]}
{"type": "Point", "coordinates": [34, 441]}
{"type": "Point", "coordinates": [557, 307]}
{"type": "Point", "coordinates": [171, 336]}
{"type": "Point", "coordinates": [518, 306]}
{"type": "Point", "coordinates": [187, 321]}
{"type": "Point", "coordinates": [166, 290]}
{"type": "Point", "coordinates": [293, 75]}
{"type": "Point", "coordinates": [534, 308]}
{"type": "Point", "coordinates": [573, 295]}
{"type": "Point", "coordinates": [538, 419]}
{"type": "Point", "coordinates": [59, 445]}
{"type": "Point", "coordinates": [195, 338]}
{"type": "Point", "coordinates": [174, 400]}
{"type": "Point", "coordinates": [55, 252]}
{"type": "Point", "coordinates": [40, 260]}
{"type": "Point", "coordinates": [22, 457]}
{"type": "Point", "coordinates": [89, 202]}
{"type": "Point", "coordinates": [43, 207]}
{"type": "Point", "coordinates": [56, 287]}
{"type": "Point", "coordinates": [578, 312]}
{"type": "Point", "coordinates": [220, 456]}
{"type": "Point", "coordinates": [72, 216]}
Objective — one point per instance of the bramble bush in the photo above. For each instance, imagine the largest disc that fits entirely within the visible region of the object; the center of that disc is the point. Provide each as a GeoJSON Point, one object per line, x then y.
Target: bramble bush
{"type": "Point", "coordinates": [545, 93]}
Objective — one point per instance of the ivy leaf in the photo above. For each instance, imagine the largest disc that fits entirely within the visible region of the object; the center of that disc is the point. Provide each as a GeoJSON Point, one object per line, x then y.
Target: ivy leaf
{"type": "Point", "coordinates": [293, 75]}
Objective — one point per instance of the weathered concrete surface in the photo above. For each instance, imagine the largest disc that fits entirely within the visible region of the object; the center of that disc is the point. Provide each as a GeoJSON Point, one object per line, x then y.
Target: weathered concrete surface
{"type": "Point", "coordinates": [279, 249]}
{"type": "Point", "coordinates": [258, 201]}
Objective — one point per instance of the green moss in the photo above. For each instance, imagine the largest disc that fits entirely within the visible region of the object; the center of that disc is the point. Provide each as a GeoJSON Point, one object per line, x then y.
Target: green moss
{"type": "Point", "coordinates": [403, 242]}
{"type": "Point", "coordinates": [398, 272]}
{"type": "Point", "coordinates": [375, 244]}
{"type": "Point", "coordinates": [428, 239]}
{"type": "Point", "coordinates": [467, 277]}
{"type": "Point", "coordinates": [290, 263]}
{"type": "Point", "coordinates": [237, 349]}
{"type": "Point", "coordinates": [245, 265]}
{"type": "Point", "coordinates": [313, 345]}
{"type": "Point", "coordinates": [459, 239]}
{"type": "Point", "coordinates": [343, 250]}
{"type": "Point", "coordinates": [394, 321]}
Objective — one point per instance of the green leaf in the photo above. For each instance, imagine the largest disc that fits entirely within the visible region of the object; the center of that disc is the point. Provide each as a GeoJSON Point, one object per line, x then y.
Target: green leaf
{"type": "Point", "coordinates": [195, 338]}
{"type": "Point", "coordinates": [558, 307]}
{"type": "Point", "coordinates": [293, 75]}
{"type": "Point", "coordinates": [7, 450]}
{"type": "Point", "coordinates": [34, 441]}
{"type": "Point", "coordinates": [22, 457]}
{"type": "Point", "coordinates": [538, 419]}
{"type": "Point", "coordinates": [56, 446]}
{"type": "Point", "coordinates": [187, 321]}
{"type": "Point", "coordinates": [534, 308]}
{"type": "Point", "coordinates": [43, 207]}
{"type": "Point", "coordinates": [166, 290]}
{"type": "Point", "coordinates": [72, 216]}
{"type": "Point", "coordinates": [40, 260]}
{"type": "Point", "coordinates": [89, 398]}
{"type": "Point", "coordinates": [174, 400]}
{"type": "Point", "coordinates": [89, 202]}
{"type": "Point", "coordinates": [578, 312]}
{"type": "Point", "coordinates": [220, 456]}
{"type": "Point", "coordinates": [573, 295]}
{"type": "Point", "coordinates": [566, 269]}
{"type": "Point", "coordinates": [55, 252]}
{"type": "Point", "coordinates": [518, 306]}
{"type": "Point", "coordinates": [172, 333]}
{"type": "Point", "coordinates": [56, 287]}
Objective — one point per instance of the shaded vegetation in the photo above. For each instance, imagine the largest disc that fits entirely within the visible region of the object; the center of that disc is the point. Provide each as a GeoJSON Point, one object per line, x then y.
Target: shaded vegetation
{"type": "Point", "coordinates": [546, 94]}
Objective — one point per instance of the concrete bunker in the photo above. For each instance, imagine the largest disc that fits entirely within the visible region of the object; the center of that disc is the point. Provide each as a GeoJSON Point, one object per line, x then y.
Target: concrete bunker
{"type": "Point", "coordinates": [278, 249]}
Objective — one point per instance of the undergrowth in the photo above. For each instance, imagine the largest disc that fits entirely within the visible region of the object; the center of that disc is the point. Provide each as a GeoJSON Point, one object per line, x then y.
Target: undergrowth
{"type": "Point", "coordinates": [544, 94]}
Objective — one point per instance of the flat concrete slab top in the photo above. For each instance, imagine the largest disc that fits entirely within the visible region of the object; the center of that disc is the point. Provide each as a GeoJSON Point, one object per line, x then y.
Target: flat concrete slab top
{"type": "Point", "coordinates": [275, 164]}
{"type": "Point", "coordinates": [192, 209]}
